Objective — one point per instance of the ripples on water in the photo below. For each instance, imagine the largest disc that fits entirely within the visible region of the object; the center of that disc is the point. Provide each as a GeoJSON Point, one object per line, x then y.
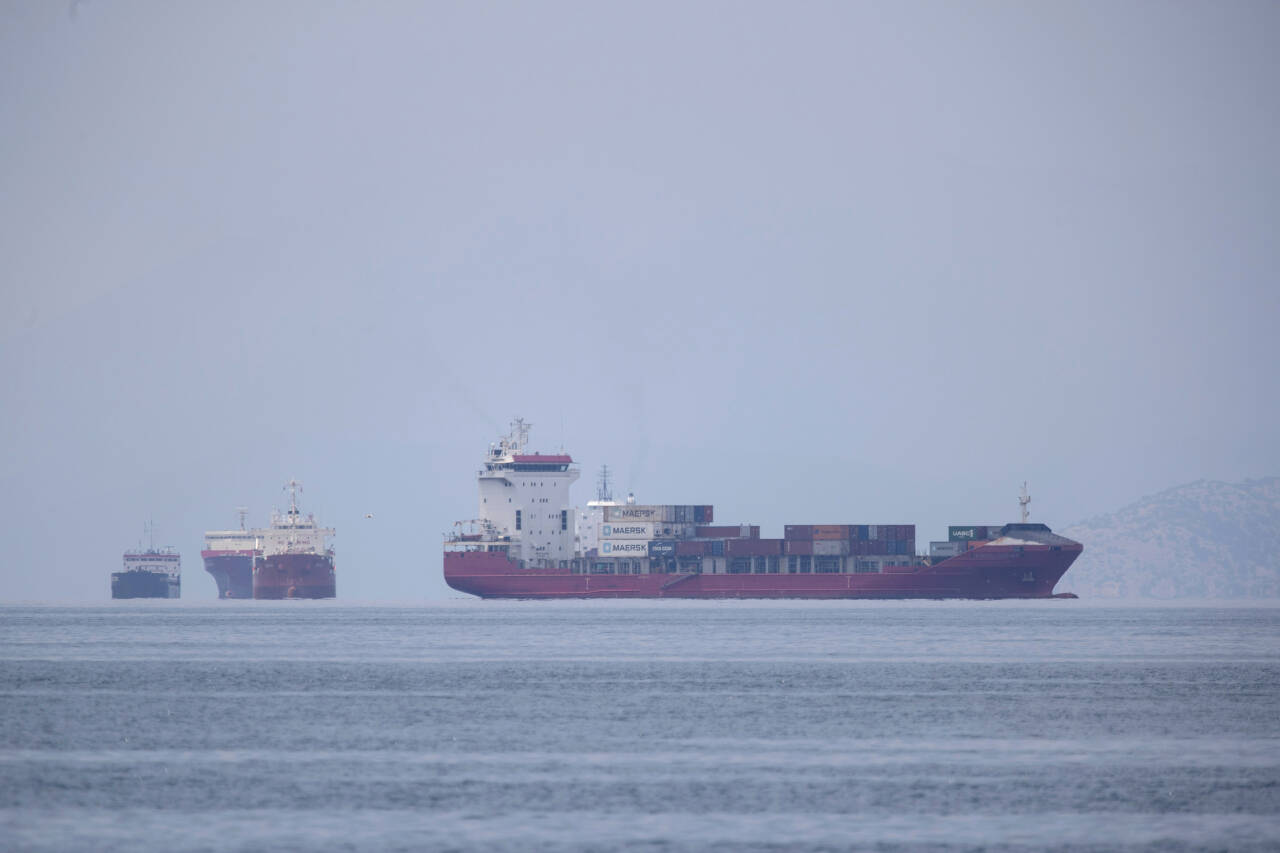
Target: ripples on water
{"type": "Point", "coordinates": [680, 725]}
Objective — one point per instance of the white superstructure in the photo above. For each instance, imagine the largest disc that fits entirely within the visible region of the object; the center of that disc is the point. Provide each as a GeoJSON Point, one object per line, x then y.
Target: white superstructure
{"type": "Point", "coordinates": [163, 560]}
{"type": "Point", "coordinates": [524, 500]}
{"type": "Point", "coordinates": [233, 541]}
{"type": "Point", "coordinates": [291, 532]}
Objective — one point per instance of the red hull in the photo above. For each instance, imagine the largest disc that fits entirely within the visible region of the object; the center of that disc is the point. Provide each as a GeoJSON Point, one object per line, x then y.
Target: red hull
{"type": "Point", "coordinates": [1025, 571]}
{"type": "Point", "coordinates": [232, 571]}
{"type": "Point", "coordinates": [294, 576]}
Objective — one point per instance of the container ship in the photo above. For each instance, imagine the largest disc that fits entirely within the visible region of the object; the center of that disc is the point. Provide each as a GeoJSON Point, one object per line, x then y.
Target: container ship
{"type": "Point", "coordinates": [228, 556]}
{"type": "Point", "coordinates": [296, 560]}
{"type": "Point", "coordinates": [153, 573]}
{"type": "Point", "coordinates": [530, 542]}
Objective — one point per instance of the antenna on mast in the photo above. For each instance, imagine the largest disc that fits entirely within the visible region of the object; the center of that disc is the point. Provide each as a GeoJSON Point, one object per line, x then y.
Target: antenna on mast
{"type": "Point", "coordinates": [604, 490]}
{"type": "Point", "coordinates": [1024, 500]}
{"type": "Point", "coordinates": [519, 434]}
{"type": "Point", "coordinates": [294, 487]}
{"type": "Point", "coordinates": [244, 511]}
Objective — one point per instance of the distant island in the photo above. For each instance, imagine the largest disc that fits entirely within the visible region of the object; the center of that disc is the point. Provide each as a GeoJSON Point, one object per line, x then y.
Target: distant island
{"type": "Point", "coordinates": [1205, 539]}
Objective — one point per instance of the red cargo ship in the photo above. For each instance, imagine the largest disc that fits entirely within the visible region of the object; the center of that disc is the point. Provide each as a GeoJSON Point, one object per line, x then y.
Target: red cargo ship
{"type": "Point", "coordinates": [296, 561]}
{"type": "Point", "coordinates": [530, 543]}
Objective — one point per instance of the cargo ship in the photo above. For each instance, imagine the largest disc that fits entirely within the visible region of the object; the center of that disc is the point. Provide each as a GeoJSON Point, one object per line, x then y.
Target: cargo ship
{"type": "Point", "coordinates": [153, 573]}
{"type": "Point", "coordinates": [295, 560]}
{"type": "Point", "coordinates": [228, 556]}
{"type": "Point", "coordinates": [530, 542]}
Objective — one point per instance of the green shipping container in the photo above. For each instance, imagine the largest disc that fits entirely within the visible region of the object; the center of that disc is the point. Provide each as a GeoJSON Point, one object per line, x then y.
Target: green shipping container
{"type": "Point", "coordinates": [962, 534]}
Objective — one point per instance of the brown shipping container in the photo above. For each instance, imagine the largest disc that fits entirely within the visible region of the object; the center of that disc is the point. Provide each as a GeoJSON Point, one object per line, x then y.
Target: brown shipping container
{"type": "Point", "coordinates": [692, 548]}
{"type": "Point", "coordinates": [802, 547]}
{"type": "Point", "coordinates": [798, 532]}
{"type": "Point", "coordinates": [831, 531]}
{"type": "Point", "coordinates": [753, 547]}
{"type": "Point", "coordinates": [727, 531]}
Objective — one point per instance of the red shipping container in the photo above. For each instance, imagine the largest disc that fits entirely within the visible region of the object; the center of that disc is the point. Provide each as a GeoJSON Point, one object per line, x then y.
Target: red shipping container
{"type": "Point", "coordinates": [692, 548]}
{"type": "Point", "coordinates": [798, 532]}
{"type": "Point", "coordinates": [799, 546]}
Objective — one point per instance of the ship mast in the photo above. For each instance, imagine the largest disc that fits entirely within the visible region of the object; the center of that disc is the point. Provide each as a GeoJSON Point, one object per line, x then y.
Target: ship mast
{"type": "Point", "coordinates": [519, 434]}
{"type": "Point", "coordinates": [604, 491]}
{"type": "Point", "coordinates": [1024, 500]}
{"type": "Point", "coordinates": [244, 511]}
{"type": "Point", "coordinates": [294, 487]}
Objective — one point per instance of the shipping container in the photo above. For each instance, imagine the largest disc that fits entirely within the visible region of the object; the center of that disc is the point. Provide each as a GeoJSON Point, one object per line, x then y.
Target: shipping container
{"type": "Point", "coordinates": [627, 530]}
{"type": "Point", "coordinates": [692, 548]}
{"type": "Point", "coordinates": [662, 548]}
{"type": "Point", "coordinates": [703, 515]}
{"type": "Point", "coordinates": [859, 532]}
{"type": "Point", "coordinates": [799, 546]}
{"type": "Point", "coordinates": [753, 547]}
{"type": "Point", "coordinates": [624, 548]}
{"type": "Point", "coordinates": [964, 532]}
{"type": "Point", "coordinates": [717, 547]}
{"type": "Point", "coordinates": [830, 531]}
{"type": "Point", "coordinates": [728, 531]}
{"type": "Point", "coordinates": [637, 512]}
{"type": "Point", "coordinates": [873, 532]}
{"type": "Point", "coordinates": [945, 549]}
{"type": "Point", "coordinates": [831, 547]}
{"type": "Point", "coordinates": [798, 532]}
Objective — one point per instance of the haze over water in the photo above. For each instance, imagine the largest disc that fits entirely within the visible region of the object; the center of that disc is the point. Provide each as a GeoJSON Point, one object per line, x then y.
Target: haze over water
{"type": "Point", "coordinates": [664, 726]}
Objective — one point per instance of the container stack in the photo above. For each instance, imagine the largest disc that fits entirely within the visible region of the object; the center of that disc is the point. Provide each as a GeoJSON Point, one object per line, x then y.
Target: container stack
{"type": "Point", "coordinates": [856, 540]}
{"type": "Point", "coordinates": [964, 537]}
{"type": "Point", "coordinates": [828, 548]}
{"type": "Point", "coordinates": [658, 532]}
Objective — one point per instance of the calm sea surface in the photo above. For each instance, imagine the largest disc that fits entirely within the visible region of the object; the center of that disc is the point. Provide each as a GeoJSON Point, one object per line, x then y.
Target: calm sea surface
{"type": "Point", "coordinates": [473, 725]}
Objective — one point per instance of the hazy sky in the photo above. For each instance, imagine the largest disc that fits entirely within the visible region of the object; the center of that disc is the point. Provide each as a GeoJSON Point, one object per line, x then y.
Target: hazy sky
{"type": "Point", "coordinates": [807, 262]}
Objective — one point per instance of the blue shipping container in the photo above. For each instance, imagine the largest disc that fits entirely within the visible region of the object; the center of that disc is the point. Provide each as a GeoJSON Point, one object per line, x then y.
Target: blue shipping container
{"type": "Point", "coordinates": [662, 548]}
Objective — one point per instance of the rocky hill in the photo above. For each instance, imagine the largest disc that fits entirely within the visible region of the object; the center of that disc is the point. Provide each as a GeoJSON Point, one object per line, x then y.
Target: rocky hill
{"type": "Point", "coordinates": [1201, 540]}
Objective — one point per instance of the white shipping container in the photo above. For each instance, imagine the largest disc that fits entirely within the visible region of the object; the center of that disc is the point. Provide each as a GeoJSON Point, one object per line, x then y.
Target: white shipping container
{"type": "Point", "coordinates": [946, 549]}
{"type": "Point", "coordinates": [624, 548]}
{"type": "Point", "coordinates": [639, 512]}
{"type": "Point", "coordinates": [831, 547]}
{"type": "Point", "coordinates": [627, 530]}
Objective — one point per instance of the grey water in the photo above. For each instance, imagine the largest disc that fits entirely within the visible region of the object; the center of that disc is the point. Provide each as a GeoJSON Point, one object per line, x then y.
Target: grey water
{"type": "Point", "coordinates": [472, 725]}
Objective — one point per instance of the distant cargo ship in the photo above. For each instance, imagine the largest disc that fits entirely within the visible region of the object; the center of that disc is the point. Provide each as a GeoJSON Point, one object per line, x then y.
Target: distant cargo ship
{"type": "Point", "coordinates": [153, 573]}
{"type": "Point", "coordinates": [296, 560]}
{"type": "Point", "coordinates": [228, 556]}
{"type": "Point", "coordinates": [529, 542]}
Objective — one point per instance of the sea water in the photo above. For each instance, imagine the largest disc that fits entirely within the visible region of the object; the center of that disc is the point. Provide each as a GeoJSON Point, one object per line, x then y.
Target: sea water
{"type": "Point", "coordinates": [572, 725]}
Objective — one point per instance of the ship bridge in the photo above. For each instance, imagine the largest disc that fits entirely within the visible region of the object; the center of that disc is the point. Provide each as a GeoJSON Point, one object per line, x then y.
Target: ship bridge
{"type": "Point", "coordinates": [524, 499]}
